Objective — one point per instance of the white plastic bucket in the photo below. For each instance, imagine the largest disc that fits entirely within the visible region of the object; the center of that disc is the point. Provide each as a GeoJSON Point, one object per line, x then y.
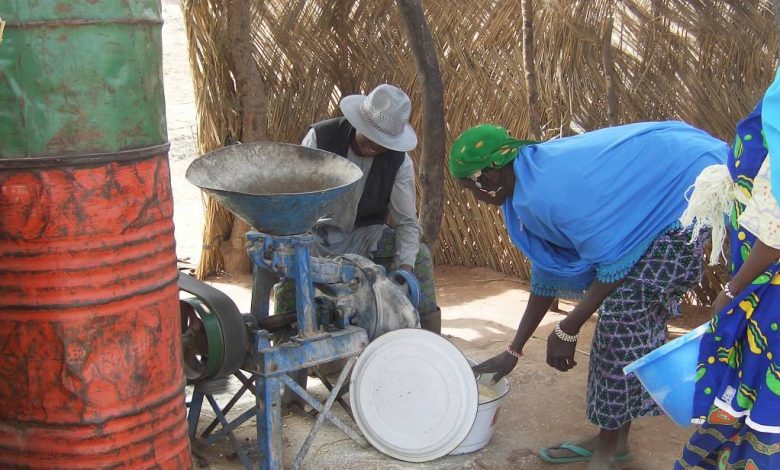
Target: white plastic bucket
{"type": "Point", "coordinates": [487, 415]}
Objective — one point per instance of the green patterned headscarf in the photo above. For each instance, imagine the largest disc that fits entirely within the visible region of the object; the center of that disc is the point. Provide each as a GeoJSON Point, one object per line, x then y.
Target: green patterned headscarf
{"type": "Point", "coordinates": [481, 147]}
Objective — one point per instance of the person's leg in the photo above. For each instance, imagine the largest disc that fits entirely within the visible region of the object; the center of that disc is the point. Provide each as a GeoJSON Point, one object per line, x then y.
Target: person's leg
{"type": "Point", "coordinates": [609, 444]}
{"type": "Point", "coordinates": [632, 322]}
{"type": "Point", "coordinates": [582, 450]}
{"type": "Point", "coordinates": [284, 302]}
{"type": "Point", "coordinates": [430, 313]}
{"type": "Point", "coordinates": [284, 297]}
{"type": "Point", "coordinates": [612, 399]}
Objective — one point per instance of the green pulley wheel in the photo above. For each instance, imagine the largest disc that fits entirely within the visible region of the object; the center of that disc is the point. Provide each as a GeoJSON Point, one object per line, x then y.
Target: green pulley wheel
{"type": "Point", "coordinates": [213, 345]}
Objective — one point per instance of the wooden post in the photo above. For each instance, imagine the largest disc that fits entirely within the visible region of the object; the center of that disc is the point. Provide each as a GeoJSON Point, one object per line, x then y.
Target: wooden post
{"type": "Point", "coordinates": [532, 94]}
{"type": "Point", "coordinates": [253, 110]}
{"type": "Point", "coordinates": [431, 168]}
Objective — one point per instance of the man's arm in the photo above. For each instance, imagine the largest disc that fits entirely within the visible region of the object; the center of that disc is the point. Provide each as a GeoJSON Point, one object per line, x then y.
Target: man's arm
{"type": "Point", "coordinates": [403, 214]}
{"type": "Point", "coordinates": [310, 139]}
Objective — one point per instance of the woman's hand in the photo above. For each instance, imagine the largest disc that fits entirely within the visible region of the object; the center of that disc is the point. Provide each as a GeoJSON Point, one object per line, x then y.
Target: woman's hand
{"type": "Point", "coordinates": [560, 354]}
{"type": "Point", "coordinates": [719, 303]}
{"type": "Point", "coordinates": [499, 365]}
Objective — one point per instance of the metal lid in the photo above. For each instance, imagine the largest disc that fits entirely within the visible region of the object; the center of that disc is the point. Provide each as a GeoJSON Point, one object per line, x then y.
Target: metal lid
{"type": "Point", "coordinates": [413, 395]}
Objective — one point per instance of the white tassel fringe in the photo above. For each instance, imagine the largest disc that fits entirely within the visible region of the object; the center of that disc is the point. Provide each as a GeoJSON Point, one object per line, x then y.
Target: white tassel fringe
{"type": "Point", "coordinates": [709, 204]}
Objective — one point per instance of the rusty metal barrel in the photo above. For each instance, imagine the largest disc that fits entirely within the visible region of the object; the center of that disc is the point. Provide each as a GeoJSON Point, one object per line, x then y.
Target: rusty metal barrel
{"type": "Point", "coordinates": [90, 354]}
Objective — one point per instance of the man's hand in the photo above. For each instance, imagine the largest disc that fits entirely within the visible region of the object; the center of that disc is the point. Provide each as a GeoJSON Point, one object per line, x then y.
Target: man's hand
{"type": "Point", "coordinates": [500, 365]}
{"type": "Point", "coordinates": [560, 354]}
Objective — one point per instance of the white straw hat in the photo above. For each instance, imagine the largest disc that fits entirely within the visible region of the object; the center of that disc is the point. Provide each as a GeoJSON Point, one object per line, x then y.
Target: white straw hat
{"type": "Point", "coordinates": [382, 116]}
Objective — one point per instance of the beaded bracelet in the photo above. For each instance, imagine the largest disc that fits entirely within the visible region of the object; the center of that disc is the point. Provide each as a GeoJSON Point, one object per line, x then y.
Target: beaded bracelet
{"type": "Point", "coordinates": [563, 336]}
{"type": "Point", "coordinates": [512, 352]}
{"type": "Point", "coordinates": [727, 291]}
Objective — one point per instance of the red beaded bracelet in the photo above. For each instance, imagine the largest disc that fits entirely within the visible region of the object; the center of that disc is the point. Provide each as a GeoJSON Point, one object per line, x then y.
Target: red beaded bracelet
{"type": "Point", "coordinates": [512, 352]}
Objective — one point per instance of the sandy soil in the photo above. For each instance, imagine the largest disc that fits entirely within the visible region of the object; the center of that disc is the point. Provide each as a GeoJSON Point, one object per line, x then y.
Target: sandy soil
{"type": "Point", "coordinates": [480, 310]}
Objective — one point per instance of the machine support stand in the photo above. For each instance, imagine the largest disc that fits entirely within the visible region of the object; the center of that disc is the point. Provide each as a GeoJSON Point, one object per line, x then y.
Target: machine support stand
{"type": "Point", "coordinates": [324, 412]}
{"type": "Point", "coordinates": [196, 404]}
{"type": "Point", "coordinates": [360, 288]}
{"type": "Point", "coordinates": [268, 398]}
{"type": "Point", "coordinates": [304, 291]}
{"type": "Point", "coordinates": [246, 384]}
{"type": "Point", "coordinates": [262, 283]}
{"type": "Point", "coordinates": [340, 397]}
{"type": "Point", "coordinates": [228, 427]}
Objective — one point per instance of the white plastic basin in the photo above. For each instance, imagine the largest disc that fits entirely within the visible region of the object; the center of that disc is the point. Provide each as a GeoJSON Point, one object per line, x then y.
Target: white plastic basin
{"type": "Point", "coordinates": [487, 415]}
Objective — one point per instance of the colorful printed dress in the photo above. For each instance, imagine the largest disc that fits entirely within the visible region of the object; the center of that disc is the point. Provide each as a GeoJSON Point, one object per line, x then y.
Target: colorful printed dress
{"type": "Point", "coordinates": [737, 398]}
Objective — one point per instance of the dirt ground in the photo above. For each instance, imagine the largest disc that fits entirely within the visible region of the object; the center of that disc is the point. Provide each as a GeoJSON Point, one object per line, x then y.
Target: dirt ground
{"type": "Point", "coordinates": [480, 310]}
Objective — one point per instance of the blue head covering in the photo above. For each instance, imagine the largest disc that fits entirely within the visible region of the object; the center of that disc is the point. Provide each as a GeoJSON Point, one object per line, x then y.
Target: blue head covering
{"type": "Point", "coordinates": [589, 206]}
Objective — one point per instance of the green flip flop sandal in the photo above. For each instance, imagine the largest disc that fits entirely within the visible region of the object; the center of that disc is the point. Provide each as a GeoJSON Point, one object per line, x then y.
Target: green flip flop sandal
{"type": "Point", "coordinates": [580, 454]}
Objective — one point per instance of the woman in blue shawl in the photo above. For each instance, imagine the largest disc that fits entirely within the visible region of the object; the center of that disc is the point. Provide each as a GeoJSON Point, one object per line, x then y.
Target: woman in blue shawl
{"type": "Point", "coordinates": [598, 217]}
{"type": "Point", "coordinates": [737, 399]}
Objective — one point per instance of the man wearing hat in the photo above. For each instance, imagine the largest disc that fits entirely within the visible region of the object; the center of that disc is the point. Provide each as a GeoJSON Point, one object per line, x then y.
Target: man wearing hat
{"type": "Point", "coordinates": [377, 218]}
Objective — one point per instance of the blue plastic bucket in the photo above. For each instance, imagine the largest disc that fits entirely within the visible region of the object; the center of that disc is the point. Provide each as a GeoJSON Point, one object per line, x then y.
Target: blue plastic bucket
{"type": "Point", "coordinates": [669, 374]}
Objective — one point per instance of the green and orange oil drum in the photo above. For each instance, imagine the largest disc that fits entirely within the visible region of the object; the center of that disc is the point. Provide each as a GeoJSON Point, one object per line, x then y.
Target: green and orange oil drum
{"type": "Point", "coordinates": [90, 355]}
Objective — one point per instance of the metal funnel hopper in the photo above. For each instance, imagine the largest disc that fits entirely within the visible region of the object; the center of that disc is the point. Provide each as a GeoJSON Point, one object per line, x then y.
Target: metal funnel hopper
{"type": "Point", "coordinates": [279, 189]}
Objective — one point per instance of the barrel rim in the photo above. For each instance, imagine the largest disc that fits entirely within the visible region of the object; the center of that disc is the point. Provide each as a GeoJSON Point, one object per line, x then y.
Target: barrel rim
{"type": "Point", "coordinates": [78, 160]}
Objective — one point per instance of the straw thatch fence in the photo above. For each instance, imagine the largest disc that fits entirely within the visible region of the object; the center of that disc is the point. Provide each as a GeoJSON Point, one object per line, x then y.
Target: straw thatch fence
{"type": "Point", "coordinates": [597, 62]}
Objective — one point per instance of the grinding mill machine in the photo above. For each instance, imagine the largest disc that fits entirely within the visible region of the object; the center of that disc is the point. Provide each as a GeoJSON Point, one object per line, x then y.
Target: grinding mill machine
{"type": "Point", "coordinates": [282, 191]}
